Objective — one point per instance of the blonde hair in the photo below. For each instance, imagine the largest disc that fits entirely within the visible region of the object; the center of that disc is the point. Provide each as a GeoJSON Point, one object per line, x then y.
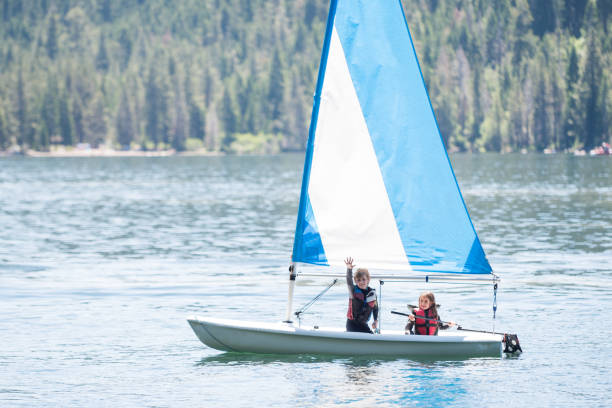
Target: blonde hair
{"type": "Point", "coordinates": [362, 272]}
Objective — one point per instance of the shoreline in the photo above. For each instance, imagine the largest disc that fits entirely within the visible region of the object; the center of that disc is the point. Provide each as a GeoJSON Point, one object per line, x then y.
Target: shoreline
{"type": "Point", "coordinates": [103, 152]}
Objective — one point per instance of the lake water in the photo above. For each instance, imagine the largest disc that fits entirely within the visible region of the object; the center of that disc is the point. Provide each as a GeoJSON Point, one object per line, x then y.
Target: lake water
{"type": "Point", "coordinates": [103, 259]}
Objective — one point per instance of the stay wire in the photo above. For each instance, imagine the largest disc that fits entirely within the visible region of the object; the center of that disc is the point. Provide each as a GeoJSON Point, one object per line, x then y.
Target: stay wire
{"type": "Point", "coordinates": [494, 304]}
{"type": "Point", "coordinates": [313, 300]}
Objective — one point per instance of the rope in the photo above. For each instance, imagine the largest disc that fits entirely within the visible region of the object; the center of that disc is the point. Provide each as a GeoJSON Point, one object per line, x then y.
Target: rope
{"type": "Point", "coordinates": [307, 305]}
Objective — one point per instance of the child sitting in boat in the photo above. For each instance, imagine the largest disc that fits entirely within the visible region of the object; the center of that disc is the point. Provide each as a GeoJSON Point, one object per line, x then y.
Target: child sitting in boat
{"type": "Point", "coordinates": [425, 319]}
{"type": "Point", "coordinates": [362, 300]}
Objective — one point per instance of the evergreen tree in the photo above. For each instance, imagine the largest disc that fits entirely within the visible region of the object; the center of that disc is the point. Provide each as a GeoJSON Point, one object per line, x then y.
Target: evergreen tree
{"type": "Point", "coordinates": [126, 49]}
{"type": "Point", "coordinates": [49, 112]}
{"type": "Point", "coordinates": [253, 115]}
{"type": "Point", "coordinates": [164, 113]}
{"type": "Point", "coordinates": [22, 114]}
{"type": "Point", "coordinates": [102, 60]}
{"type": "Point", "coordinates": [65, 121]}
{"type": "Point", "coordinates": [247, 10]}
{"type": "Point", "coordinates": [544, 16]}
{"type": "Point", "coordinates": [208, 87]}
{"type": "Point", "coordinates": [124, 123]}
{"type": "Point", "coordinates": [556, 109]}
{"type": "Point", "coordinates": [276, 91]}
{"type": "Point", "coordinates": [541, 120]}
{"type": "Point", "coordinates": [605, 10]}
{"type": "Point", "coordinates": [180, 125]}
{"type": "Point", "coordinates": [196, 116]}
{"type": "Point", "coordinates": [106, 11]}
{"type": "Point", "coordinates": [571, 122]}
{"type": "Point", "coordinates": [228, 118]}
{"type": "Point", "coordinates": [77, 119]}
{"type": "Point", "coordinates": [592, 99]}
{"type": "Point", "coordinates": [152, 109]}
{"type": "Point", "coordinates": [477, 116]}
{"type": "Point", "coordinates": [310, 11]}
{"type": "Point", "coordinates": [573, 13]}
{"type": "Point", "coordinates": [42, 138]}
{"type": "Point", "coordinates": [6, 14]}
{"type": "Point", "coordinates": [522, 45]}
{"type": "Point", "coordinates": [197, 123]}
{"type": "Point", "coordinates": [96, 122]}
{"type": "Point", "coordinates": [52, 47]}
{"type": "Point", "coordinates": [4, 137]}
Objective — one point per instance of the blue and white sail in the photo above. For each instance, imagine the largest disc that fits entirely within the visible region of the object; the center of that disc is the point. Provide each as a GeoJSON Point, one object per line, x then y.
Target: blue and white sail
{"type": "Point", "coordinates": [378, 184]}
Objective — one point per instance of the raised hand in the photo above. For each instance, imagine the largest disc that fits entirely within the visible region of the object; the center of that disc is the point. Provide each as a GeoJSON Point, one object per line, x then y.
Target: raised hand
{"type": "Point", "coordinates": [349, 262]}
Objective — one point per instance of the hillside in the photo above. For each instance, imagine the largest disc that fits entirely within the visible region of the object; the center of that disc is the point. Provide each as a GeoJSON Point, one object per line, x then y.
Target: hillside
{"type": "Point", "coordinates": [238, 75]}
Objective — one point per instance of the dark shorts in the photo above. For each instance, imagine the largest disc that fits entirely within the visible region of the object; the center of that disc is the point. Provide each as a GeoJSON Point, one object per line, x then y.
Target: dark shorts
{"type": "Point", "coordinates": [353, 326]}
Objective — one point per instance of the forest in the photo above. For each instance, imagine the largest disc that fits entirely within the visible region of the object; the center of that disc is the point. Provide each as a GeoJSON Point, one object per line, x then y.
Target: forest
{"type": "Point", "coordinates": [237, 76]}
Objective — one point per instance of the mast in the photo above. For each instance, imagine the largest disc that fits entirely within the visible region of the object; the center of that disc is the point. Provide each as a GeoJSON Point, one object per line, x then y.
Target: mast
{"type": "Point", "coordinates": [308, 158]}
{"type": "Point", "coordinates": [292, 276]}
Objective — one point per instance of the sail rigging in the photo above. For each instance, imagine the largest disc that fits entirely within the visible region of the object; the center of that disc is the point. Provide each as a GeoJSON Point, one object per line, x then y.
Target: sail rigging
{"type": "Point", "coordinates": [378, 184]}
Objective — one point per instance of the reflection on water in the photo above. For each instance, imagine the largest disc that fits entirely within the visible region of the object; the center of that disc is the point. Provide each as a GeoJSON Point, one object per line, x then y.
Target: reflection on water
{"type": "Point", "coordinates": [361, 372]}
{"type": "Point", "coordinates": [102, 260]}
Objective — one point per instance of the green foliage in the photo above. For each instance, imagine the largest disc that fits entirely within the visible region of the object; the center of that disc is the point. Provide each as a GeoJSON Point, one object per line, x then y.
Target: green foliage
{"type": "Point", "coordinates": [503, 75]}
{"type": "Point", "coordinates": [193, 145]}
{"type": "Point", "coordinates": [261, 143]}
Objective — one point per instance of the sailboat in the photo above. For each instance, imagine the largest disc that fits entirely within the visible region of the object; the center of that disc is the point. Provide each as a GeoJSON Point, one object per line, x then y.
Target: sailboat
{"type": "Point", "coordinates": [378, 186]}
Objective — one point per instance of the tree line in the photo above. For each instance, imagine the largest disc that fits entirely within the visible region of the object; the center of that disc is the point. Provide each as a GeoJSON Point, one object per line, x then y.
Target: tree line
{"type": "Point", "coordinates": [238, 75]}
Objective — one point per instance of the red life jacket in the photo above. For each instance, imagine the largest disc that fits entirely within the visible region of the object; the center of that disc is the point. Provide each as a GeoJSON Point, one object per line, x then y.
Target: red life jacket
{"type": "Point", "coordinates": [425, 327]}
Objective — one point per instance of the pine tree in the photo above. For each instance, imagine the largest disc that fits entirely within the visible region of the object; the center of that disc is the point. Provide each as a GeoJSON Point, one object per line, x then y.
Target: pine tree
{"type": "Point", "coordinates": [42, 137]}
{"type": "Point", "coordinates": [544, 16]}
{"type": "Point", "coordinates": [605, 10]}
{"type": "Point", "coordinates": [152, 109]}
{"type": "Point", "coordinates": [195, 114]}
{"type": "Point", "coordinates": [106, 11]}
{"type": "Point", "coordinates": [571, 121]}
{"type": "Point", "coordinates": [49, 111]}
{"type": "Point", "coordinates": [77, 119]}
{"type": "Point", "coordinates": [276, 91]}
{"type": "Point", "coordinates": [22, 114]}
{"type": "Point", "coordinates": [573, 13]}
{"type": "Point", "coordinates": [102, 60]}
{"type": "Point", "coordinates": [6, 13]}
{"type": "Point", "coordinates": [4, 137]}
{"type": "Point", "coordinates": [52, 47]}
{"type": "Point", "coordinates": [592, 99]}
{"type": "Point", "coordinates": [179, 135]}
{"type": "Point", "coordinates": [477, 116]}
{"type": "Point", "coordinates": [65, 121]}
{"type": "Point", "coordinates": [228, 118]}
{"type": "Point", "coordinates": [126, 49]}
{"type": "Point", "coordinates": [125, 122]}
{"type": "Point", "coordinates": [96, 122]}
{"type": "Point", "coordinates": [310, 11]}
{"type": "Point", "coordinates": [164, 113]}
{"type": "Point", "coordinates": [208, 87]}
{"type": "Point", "coordinates": [522, 45]}
{"type": "Point", "coordinates": [541, 119]}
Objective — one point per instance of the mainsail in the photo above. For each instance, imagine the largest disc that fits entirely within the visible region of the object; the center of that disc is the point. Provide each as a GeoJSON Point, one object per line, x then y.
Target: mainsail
{"type": "Point", "coordinates": [378, 184]}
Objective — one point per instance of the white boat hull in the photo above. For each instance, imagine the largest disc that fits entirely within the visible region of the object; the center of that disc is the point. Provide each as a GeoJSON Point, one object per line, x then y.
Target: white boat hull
{"type": "Point", "coordinates": [282, 338]}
